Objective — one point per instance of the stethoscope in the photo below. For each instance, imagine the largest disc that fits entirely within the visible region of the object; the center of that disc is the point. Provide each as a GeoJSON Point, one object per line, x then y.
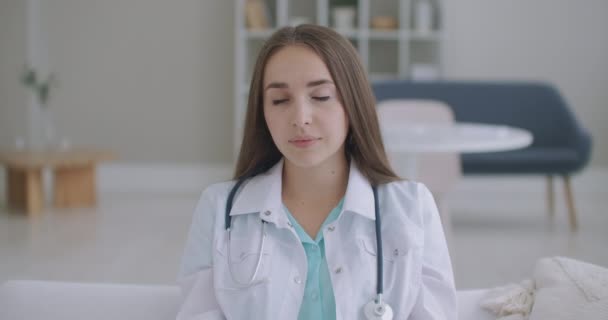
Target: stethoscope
{"type": "Point", "coordinates": [376, 309]}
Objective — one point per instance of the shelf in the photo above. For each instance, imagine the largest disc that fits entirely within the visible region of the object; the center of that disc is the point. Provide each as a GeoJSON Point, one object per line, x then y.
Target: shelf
{"type": "Point", "coordinates": [383, 34]}
{"type": "Point", "coordinates": [383, 58]}
{"type": "Point", "coordinates": [425, 52]}
{"type": "Point", "coordinates": [429, 36]}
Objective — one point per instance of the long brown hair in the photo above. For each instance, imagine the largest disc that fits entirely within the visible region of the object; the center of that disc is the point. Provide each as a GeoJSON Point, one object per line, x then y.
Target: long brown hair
{"type": "Point", "coordinates": [363, 143]}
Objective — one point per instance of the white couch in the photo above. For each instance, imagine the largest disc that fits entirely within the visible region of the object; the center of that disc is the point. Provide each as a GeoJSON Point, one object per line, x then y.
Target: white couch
{"type": "Point", "coordinates": [29, 300]}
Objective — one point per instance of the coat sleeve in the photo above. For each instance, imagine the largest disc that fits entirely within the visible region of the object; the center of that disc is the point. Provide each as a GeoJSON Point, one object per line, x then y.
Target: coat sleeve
{"type": "Point", "coordinates": [436, 298]}
{"type": "Point", "coordinates": [198, 301]}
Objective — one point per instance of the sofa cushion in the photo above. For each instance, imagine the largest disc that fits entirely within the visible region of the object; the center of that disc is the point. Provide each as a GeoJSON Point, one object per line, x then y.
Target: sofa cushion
{"type": "Point", "coordinates": [532, 160]}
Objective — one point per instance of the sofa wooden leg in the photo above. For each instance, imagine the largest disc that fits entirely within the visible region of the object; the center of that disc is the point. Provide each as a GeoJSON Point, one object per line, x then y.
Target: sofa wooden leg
{"type": "Point", "coordinates": [550, 196]}
{"type": "Point", "coordinates": [570, 203]}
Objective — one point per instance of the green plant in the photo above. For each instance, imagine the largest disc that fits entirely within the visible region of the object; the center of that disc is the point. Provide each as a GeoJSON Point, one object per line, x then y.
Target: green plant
{"type": "Point", "coordinates": [41, 88]}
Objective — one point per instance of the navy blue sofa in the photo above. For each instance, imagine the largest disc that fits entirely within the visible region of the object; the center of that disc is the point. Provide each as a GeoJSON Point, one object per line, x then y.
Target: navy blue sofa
{"type": "Point", "coordinates": [561, 146]}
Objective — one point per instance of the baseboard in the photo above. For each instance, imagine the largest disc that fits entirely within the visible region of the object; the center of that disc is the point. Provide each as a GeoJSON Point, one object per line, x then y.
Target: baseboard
{"type": "Point", "coordinates": [122, 177]}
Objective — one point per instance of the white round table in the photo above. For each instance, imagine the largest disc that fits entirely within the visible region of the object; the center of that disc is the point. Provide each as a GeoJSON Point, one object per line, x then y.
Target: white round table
{"type": "Point", "coordinates": [415, 138]}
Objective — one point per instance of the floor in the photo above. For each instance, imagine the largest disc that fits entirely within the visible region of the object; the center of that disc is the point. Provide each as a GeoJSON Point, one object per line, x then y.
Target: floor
{"type": "Point", "coordinates": [498, 234]}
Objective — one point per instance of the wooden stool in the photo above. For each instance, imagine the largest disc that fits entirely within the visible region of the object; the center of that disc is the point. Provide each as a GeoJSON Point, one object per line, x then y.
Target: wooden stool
{"type": "Point", "coordinates": [24, 189]}
{"type": "Point", "coordinates": [74, 182]}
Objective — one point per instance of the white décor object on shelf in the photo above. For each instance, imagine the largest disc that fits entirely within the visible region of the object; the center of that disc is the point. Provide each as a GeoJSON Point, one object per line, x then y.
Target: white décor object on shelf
{"type": "Point", "coordinates": [423, 16]}
{"type": "Point", "coordinates": [424, 72]}
{"type": "Point", "coordinates": [344, 17]}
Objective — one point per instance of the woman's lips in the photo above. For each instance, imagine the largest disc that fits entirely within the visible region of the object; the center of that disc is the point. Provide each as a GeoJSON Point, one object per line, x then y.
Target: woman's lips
{"type": "Point", "coordinates": [305, 142]}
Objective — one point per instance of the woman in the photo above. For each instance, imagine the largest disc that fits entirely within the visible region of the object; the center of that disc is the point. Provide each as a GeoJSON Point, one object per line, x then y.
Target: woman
{"type": "Point", "coordinates": [299, 238]}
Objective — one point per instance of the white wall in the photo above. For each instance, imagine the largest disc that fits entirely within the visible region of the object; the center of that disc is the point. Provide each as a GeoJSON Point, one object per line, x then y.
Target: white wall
{"type": "Point", "coordinates": [560, 41]}
{"type": "Point", "coordinates": [150, 79]}
{"type": "Point", "coordinates": [13, 98]}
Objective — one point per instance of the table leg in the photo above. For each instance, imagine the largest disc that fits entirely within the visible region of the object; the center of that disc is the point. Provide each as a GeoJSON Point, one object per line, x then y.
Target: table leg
{"type": "Point", "coordinates": [25, 190]}
{"type": "Point", "coordinates": [74, 186]}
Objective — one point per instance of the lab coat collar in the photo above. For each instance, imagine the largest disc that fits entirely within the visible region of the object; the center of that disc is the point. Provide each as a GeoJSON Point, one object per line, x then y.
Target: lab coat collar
{"type": "Point", "coordinates": [263, 194]}
{"type": "Point", "coordinates": [359, 197]}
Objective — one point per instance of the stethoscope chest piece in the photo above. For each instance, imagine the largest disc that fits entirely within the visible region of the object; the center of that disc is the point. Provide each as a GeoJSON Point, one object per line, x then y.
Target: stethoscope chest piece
{"type": "Point", "coordinates": [378, 311]}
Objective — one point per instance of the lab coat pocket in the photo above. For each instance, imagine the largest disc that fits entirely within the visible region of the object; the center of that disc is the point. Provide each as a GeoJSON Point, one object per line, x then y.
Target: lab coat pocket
{"type": "Point", "coordinates": [402, 257]}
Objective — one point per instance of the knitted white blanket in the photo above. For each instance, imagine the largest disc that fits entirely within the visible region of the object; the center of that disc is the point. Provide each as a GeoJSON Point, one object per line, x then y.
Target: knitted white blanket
{"type": "Point", "coordinates": [562, 288]}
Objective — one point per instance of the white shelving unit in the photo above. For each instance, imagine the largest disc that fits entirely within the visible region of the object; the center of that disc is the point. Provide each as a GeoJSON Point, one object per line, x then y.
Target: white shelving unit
{"type": "Point", "coordinates": [386, 54]}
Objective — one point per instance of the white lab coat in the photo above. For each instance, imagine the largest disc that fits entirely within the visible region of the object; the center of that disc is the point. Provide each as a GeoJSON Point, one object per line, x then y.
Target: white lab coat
{"type": "Point", "coordinates": [418, 278]}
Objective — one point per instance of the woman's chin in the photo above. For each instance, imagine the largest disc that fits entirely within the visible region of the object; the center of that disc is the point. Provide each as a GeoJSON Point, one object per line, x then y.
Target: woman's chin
{"type": "Point", "coordinates": [306, 160]}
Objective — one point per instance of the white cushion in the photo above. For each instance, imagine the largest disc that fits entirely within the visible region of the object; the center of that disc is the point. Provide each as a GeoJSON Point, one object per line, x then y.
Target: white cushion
{"type": "Point", "coordinates": [569, 289]}
{"type": "Point", "coordinates": [513, 301]}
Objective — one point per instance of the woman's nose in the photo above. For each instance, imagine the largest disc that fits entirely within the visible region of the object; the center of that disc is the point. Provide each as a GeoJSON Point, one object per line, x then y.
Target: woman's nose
{"type": "Point", "coordinates": [302, 115]}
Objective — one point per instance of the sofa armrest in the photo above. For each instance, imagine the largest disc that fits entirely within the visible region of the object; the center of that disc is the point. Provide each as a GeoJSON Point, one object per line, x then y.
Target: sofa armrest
{"type": "Point", "coordinates": [34, 300]}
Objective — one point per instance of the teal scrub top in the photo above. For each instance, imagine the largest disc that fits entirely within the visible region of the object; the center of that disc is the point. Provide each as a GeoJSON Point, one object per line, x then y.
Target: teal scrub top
{"type": "Point", "coordinates": [319, 302]}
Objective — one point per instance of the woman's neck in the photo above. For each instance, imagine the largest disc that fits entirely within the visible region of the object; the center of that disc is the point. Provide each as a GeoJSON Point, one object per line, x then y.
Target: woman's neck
{"type": "Point", "coordinates": [325, 183]}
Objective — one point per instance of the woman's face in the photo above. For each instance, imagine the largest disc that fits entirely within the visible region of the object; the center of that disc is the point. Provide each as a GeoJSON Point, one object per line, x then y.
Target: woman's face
{"type": "Point", "coordinates": [302, 108]}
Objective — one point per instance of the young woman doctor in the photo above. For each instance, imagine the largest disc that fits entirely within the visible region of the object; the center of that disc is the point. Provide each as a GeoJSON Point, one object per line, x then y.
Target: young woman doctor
{"type": "Point", "coordinates": [315, 225]}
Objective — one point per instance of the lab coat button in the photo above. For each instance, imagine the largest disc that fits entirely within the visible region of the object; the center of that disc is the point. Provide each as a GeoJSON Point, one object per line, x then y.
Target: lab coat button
{"type": "Point", "coordinates": [331, 228]}
{"type": "Point", "coordinates": [297, 280]}
{"type": "Point", "coordinates": [339, 270]}
{"type": "Point", "coordinates": [267, 212]}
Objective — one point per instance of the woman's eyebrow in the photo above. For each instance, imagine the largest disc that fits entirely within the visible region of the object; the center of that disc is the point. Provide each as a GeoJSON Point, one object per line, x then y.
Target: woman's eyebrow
{"type": "Point", "coordinates": [318, 83]}
{"type": "Point", "coordinates": [283, 85]}
{"type": "Point", "coordinates": [278, 85]}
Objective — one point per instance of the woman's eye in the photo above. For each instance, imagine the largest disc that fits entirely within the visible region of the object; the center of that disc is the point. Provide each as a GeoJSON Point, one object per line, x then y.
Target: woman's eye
{"type": "Point", "coordinates": [278, 101]}
{"type": "Point", "coordinates": [321, 98]}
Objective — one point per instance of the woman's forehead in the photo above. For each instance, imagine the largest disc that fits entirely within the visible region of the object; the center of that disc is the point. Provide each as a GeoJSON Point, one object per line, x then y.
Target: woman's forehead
{"type": "Point", "coordinates": [295, 65]}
